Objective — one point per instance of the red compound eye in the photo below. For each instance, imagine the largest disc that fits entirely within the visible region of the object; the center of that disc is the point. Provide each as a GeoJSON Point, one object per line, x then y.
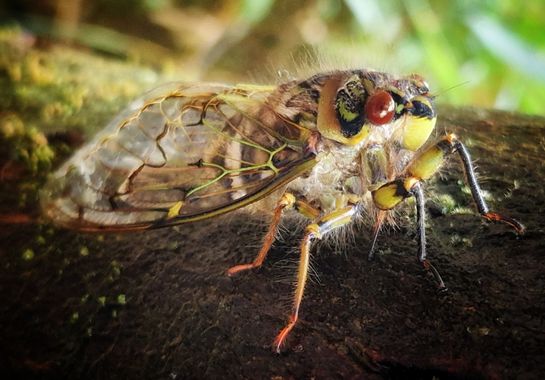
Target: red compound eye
{"type": "Point", "coordinates": [380, 108]}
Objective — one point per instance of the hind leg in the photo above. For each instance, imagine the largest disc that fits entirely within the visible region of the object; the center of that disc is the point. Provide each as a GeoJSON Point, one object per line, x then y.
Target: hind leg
{"type": "Point", "coordinates": [286, 202]}
{"type": "Point", "coordinates": [317, 230]}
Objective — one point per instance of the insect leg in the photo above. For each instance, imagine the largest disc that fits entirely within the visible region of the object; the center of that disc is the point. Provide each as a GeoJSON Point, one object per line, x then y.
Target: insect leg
{"type": "Point", "coordinates": [429, 161]}
{"type": "Point", "coordinates": [286, 201]}
{"type": "Point", "coordinates": [325, 224]}
{"type": "Point", "coordinates": [476, 191]}
{"type": "Point", "coordinates": [390, 195]}
{"type": "Point", "coordinates": [426, 164]}
{"type": "Point", "coordinates": [418, 194]}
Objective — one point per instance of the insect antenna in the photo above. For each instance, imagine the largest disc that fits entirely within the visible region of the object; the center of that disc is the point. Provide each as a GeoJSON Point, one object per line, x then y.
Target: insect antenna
{"type": "Point", "coordinates": [442, 92]}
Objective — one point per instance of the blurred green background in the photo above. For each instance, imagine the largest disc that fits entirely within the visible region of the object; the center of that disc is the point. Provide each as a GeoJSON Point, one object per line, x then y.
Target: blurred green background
{"type": "Point", "coordinates": [482, 53]}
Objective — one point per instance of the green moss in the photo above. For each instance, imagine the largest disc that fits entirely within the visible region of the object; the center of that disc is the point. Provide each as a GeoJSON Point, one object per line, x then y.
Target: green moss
{"type": "Point", "coordinates": [62, 88]}
{"type": "Point", "coordinates": [74, 317]}
{"type": "Point", "coordinates": [447, 203]}
{"type": "Point", "coordinates": [84, 251]}
{"type": "Point", "coordinates": [115, 269]}
{"type": "Point", "coordinates": [47, 91]}
{"type": "Point", "coordinates": [28, 254]}
{"type": "Point", "coordinates": [121, 299]}
{"type": "Point", "coordinates": [459, 241]}
{"type": "Point", "coordinates": [25, 145]}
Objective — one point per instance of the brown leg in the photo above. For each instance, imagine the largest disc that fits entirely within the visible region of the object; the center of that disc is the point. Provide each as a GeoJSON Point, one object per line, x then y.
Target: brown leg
{"type": "Point", "coordinates": [316, 230]}
{"type": "Point", "coordinates": [287, 201]}
{"type": "Point", "coordinates": [302, 273]}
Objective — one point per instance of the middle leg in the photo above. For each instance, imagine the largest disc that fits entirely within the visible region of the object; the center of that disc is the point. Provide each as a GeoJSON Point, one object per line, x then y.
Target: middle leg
{"type": "Point", "coordinates": [418, 194]}
{"type": "Point", "coordinates": [390, 195]}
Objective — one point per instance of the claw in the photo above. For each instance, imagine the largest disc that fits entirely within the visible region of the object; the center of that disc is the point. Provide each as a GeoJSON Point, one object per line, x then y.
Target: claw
{"type": "Point", "coordinates": [441, 287]}
{"type": "Point", "coordinates": [515, 224]}
{"type": "Point", "coordinates": [280, 339]}
{"type": "Point", "coordinates": [238, 268]}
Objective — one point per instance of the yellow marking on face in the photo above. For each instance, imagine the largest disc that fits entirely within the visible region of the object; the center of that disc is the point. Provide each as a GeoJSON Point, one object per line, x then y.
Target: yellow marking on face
{"type": "Point", "coordinates": [416, 131]}
{"type": "Point", "coordinates": [356, 139]}
{"type": "Point", "coordinates": [427, 164]}
{"type": "Point", "coordinates": [327, 122]}
{"type": "Point", "coordinates": [174, 211]}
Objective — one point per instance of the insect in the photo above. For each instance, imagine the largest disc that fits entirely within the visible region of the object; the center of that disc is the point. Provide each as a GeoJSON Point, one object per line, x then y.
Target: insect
{"type": "Point", "coordinates": [331, 147]}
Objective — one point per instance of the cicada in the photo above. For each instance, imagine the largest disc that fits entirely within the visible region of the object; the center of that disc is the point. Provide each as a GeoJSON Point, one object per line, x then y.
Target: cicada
{"type": "Point", "coordinates": [332, 147]}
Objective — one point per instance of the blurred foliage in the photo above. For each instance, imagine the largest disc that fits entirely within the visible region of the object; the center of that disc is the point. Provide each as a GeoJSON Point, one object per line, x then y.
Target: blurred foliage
{"type": "Point", "coordinates": [48, 89]}
{"type": "Point", "coordinates": [489, 53]}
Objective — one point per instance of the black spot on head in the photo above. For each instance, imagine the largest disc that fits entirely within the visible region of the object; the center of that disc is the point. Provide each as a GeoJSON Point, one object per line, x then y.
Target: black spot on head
{"type": "Point", "coordinates": [398, 98]}
{"type": "Point", "coordinates": [422, 110]}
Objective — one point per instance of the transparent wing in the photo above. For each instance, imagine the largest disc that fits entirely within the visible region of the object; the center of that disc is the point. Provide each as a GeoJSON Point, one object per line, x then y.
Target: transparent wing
{"type": "Point", "coordinates": [180, 154]}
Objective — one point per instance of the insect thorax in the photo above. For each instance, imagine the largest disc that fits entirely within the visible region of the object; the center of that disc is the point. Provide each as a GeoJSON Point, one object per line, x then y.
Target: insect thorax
{"type": "Point", "coordinates": [345, 174]}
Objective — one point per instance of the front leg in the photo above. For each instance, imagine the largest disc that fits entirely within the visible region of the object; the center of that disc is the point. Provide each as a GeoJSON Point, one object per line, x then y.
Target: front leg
{"type": "Point", "coordinates": [425, 165]}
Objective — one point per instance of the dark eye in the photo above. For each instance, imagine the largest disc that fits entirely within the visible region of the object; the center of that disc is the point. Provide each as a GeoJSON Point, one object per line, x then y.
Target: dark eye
{"type": "Point", "coordinates": [380, 108]}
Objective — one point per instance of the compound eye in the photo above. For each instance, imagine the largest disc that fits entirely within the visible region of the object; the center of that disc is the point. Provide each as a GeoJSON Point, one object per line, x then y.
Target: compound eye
{"type": "Point", "coordinates": [380, 108]}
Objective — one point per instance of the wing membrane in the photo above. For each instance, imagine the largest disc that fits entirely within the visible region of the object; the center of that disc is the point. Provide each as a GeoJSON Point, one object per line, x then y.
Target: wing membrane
{"type": "Point", "coordinates": [186, 153]}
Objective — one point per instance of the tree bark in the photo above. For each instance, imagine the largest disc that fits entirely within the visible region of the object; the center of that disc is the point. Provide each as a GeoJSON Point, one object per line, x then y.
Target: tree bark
{"type": "Point", "coordinates": [158, 304]}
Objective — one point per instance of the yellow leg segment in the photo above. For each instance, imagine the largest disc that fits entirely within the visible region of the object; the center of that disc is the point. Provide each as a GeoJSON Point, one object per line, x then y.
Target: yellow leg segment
{"type": "Point", "coordinates": [313, 231]}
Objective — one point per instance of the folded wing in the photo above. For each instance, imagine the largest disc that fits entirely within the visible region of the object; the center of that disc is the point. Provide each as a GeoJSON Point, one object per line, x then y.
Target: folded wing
{"type": "Point", "coordinates": [180, 154]}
